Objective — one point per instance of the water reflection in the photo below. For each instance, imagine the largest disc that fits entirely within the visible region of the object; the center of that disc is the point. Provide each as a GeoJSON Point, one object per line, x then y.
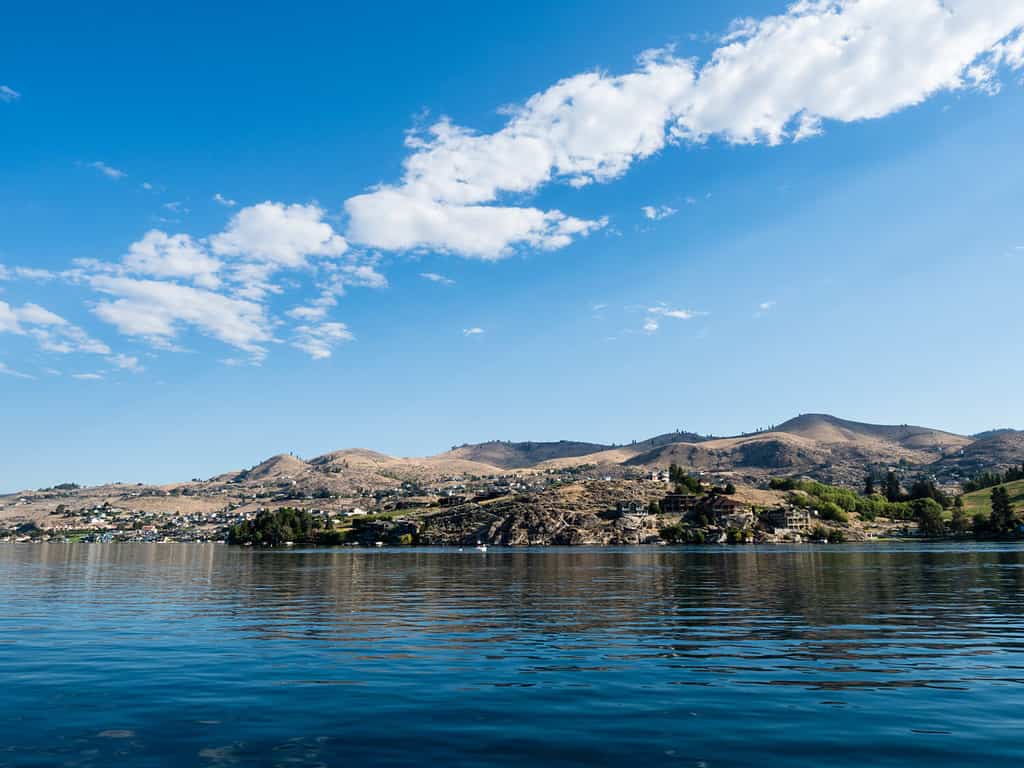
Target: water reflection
{"type": "Point", "coordinates": [204, 654]}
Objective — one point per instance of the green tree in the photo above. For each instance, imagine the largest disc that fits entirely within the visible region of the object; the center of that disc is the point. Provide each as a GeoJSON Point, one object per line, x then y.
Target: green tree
{"type": "Point", "coordinates": [1003, 520]}
{"type": "Point", "coordinates": [928, 513]}
{"type": "Point", "coordinates": [960, 524]}
{"type": "Point", "coordinates": [869, 485]}
{"type": "Point", "coordinates": [893, 492]}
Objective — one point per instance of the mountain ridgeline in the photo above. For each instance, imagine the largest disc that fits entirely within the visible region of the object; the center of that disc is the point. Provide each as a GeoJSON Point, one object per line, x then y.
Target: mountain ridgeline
{"type": "Point", "coordinates": [817, 445]}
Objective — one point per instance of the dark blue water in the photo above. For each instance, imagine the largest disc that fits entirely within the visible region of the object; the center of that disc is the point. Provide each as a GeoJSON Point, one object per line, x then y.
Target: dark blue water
{"type": "Point", "coordinates": [155, 655]}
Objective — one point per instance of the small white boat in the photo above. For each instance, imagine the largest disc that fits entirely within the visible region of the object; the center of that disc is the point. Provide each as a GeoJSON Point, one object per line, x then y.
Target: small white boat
{"type": "Point", "coordinates": [481, 547]}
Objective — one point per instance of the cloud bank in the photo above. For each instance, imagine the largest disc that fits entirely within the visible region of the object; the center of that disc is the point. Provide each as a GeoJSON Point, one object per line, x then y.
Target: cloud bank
{"type": "Point", "coordinates": [774, 80]}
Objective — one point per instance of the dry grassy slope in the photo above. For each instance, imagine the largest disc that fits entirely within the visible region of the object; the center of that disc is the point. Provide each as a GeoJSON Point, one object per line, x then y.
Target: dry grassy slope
{"type": "Point", "coordinates": [770, 450]}
{"type": "Point", "coordinates": [520, 455]}
{"type": "Point", "coordinates": [996, 448]}
{"type": "Point", "coordinates": [413, 468]}
{"type": "Point", "coordinates": [610, 456]}
{"type": "Point", "coordinates": [805, 441]}
{"type": "Point", "coordinates": [834, 431]}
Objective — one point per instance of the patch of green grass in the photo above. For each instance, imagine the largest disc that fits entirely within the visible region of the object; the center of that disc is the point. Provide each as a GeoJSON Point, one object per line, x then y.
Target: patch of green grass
{"type": "Point", "coordinates": [981, 501]}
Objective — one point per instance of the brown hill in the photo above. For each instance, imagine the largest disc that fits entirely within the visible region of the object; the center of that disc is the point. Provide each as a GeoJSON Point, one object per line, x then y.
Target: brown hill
{"type": "Point", "coordinates": [991, 450]}
{"type": "Point", "coordinates": [520, 455]}
{"type": "Point", "coordinates": [833, 431]}
{"type": "Point", "coordinates": [278, 467]}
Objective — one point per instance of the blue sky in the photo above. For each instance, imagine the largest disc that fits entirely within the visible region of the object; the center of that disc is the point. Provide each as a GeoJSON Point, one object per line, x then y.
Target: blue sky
{"type": "Point", "coordinates": [232, 232]}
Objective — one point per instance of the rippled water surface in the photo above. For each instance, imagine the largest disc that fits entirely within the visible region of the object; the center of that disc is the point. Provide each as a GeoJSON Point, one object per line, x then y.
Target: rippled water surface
{"type": "Point", "coordinates": [149, 655]}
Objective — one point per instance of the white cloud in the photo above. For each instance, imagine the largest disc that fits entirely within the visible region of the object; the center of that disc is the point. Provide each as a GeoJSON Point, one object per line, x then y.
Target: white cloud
{"type": "Point", "coordinates": [472, 331]}
{"type": "Point", "coordinates": [357, 275]}
{"type": "Point", "coordinates": [436, 278]}
{"type": "Point", "coordinates": [158, 254]}
{"type": "Point", "coordinates": [308, 313]}
{"type": "Point", "coordinates": [650, 325]}
{"type": "Point", "coordinates": [87, 376]}
{"type": "Point", "coordinates": [317, 340]}
{"type": "Point", "coordinates": [677, 314]}
{"type": "Point", "coordinates": [279, 235]}
{"type": "Point", "coordinates": [764, 308]}
{"type": "Point", "coordinates": [175, 206]}
{"type": "Point", "coordinates": [9, 319]}
{"type": "Point", "coordinates": [51, 331]}
{"type": "Point", "coordinates": [657, 213]}
{"type": "Point", "coordinates": [32, 273]}
{"type": "Point", "coordinates": [126, 363]}
{"type": "Point", "coordinates": [773, 80]}
{"type": "Point", "coordinates": [8, 94]}
{"type": "Point", "coordinates": [226, 202]}
{"type": "Point", "coordinates": [156, 310]}
{"type": "Point", "coordinates": [398, 220]}
{"type": "Point", "coordinates": [108, 171]}
{"type": "Point", "coordinates": [5, 371]}
{"type": "Point", "coordinates": [146, 186]}
{"type": "Point", "coordinates": [5, 274]}
{"type": "Point", "coordinates": [33, 314]}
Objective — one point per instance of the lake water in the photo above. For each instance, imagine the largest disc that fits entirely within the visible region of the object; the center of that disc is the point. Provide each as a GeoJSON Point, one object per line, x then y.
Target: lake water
{"type": "Point", "coordinates": [155, 655]}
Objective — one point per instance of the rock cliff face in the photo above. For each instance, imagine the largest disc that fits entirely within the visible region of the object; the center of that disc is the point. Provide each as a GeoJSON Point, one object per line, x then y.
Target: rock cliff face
{"type": "Point", "coordinates": [576, 515]}
{"type": "Point", "coordinates": [525, 524]}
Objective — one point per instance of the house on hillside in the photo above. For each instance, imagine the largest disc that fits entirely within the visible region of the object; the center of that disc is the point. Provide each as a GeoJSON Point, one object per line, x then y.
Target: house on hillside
{"type": "Point", "coordinates": [632, 507]}
{"type": "Point", "coordinates": [790, 518]}
{"type": "Point", "coordinates": [678, 503]}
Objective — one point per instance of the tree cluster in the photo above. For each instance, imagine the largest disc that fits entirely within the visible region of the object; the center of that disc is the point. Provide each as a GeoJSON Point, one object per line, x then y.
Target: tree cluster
{"type": "Point", "coordinates": [274, 528]}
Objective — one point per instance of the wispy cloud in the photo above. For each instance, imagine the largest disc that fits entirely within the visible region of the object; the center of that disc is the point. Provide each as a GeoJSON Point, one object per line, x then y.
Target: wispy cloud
{"type": "Point", "coordinates": [5, 371]}
{"type": "Point", "coordinates": [8, 94]}
{"type": "Point", "coordinates": [436, 278]}
{"type": "Point", "coordinates": [677, 314]}
{"type": "Point", "coordinates": [317, 341]}
{"type": "Point", "coordinates": [126, 363]}
{"type": "Point", "coordinates": [156, 310]}
{"type": "Point", "coordinates": [33, 273]}
{"type": "Point", "coordinates": [764, 308]}
{"type": "Point", "coordinates": [657, 213]}
{"type": "Point", "coordinates": [650, 325]}
{"type": "Point", "coordinates": [472, 331]}
{"type": "Point", "coordinates": [87, 376]}
{"type": "Point", "coordinates": [107, 170]}
{"type": "Point", "coordinates": [226, 202]}
{"type": "Point", "coordinates": [51, 331]}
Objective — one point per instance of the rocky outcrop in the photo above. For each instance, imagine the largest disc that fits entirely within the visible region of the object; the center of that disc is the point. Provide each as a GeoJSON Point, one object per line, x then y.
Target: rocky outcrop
{"type": "Point", "coordinates": [582, 514]}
